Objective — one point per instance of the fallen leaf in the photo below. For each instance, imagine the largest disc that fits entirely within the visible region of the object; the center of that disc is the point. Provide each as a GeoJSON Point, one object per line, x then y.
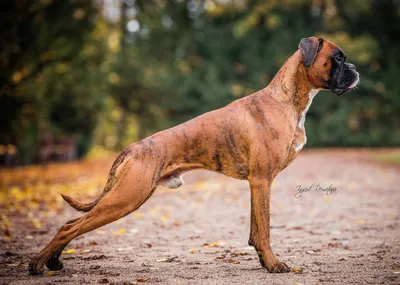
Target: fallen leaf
{"type": "Point", "coordinates": [234, 261]}
{"type": "Point", "coordinates": [154, 211]}
{"type": "Point", "coordinates": [142, 279]}
{"type": "Point", "coordinates": [139, 215]}
{"type": "Point", "coordinates": [360, 221]}
{"type": "Point", "coordinates": [297, 270]}
{"type": "Point", "coordinates": [50, 273]}
{"type": "Point", "coordinates": [69, 251]}
{"type": "Point", "coordinates": [193, 250]}
{"type": "Point", "coordinates": [218, 243]}
{"type": "Point", "coordinates": [120, 232]}
{"type": "Point", "coordinates": [164, 219]}
{"type": "Point", "coordinates": [86, 251]}
{"type": "Point", "coordinates": [36, 223]}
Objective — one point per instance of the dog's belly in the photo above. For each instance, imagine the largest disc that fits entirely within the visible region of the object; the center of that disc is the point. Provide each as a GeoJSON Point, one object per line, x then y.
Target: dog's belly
{"type": "Point", "coordinates": [174, 180]}
{"type": "Point", "coordinates": [173, 173]}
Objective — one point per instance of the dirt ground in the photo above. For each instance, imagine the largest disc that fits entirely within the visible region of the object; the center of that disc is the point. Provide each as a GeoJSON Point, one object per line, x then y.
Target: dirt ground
{"type": "Point", "coordinates": [198, 234]}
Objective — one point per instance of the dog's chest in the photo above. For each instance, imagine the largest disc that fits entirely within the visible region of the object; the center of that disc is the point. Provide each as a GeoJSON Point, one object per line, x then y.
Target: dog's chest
{"type": "Point", "coordinates": [300, 138]}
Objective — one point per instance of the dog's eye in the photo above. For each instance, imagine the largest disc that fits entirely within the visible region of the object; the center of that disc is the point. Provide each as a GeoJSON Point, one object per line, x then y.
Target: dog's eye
{"type": "Point", "coordinates": [338, 58]}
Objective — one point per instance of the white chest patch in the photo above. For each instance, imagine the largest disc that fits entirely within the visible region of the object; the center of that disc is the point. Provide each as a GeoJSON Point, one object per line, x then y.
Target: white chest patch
{"type": "Point", "coordinates": [300, 125]}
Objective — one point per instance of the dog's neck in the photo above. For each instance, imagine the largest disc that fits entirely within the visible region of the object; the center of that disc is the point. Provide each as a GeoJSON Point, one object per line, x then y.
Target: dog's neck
{"type": "Point", "coordinates": [291, 86]}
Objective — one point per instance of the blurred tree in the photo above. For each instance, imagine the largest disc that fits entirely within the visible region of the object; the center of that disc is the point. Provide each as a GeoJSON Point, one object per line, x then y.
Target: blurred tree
{"type": "Point", "coordinates": [47, 49]}
{"type": "Point", "coordinates": [129, 68]}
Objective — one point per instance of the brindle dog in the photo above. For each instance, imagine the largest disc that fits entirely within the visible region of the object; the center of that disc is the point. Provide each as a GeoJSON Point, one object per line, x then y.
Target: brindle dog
{"type": "Point", "coordinates": [253, 138]}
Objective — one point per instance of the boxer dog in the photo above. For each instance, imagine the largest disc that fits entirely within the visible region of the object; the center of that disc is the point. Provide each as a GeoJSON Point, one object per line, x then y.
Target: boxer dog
{"type": "Point", "coordinates": [253, 138]}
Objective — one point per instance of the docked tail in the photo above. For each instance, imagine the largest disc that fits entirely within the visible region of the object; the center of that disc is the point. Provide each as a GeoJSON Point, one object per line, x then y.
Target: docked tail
{"type": "Point", "coordinates": [84, 207]}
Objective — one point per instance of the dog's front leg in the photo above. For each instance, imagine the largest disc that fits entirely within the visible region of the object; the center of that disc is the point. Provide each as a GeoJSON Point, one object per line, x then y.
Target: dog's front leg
{"type": "Point", "coordinates": [260, 225]}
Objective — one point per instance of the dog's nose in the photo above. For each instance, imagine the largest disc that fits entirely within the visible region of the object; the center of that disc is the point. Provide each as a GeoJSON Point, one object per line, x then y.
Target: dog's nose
{"type": "Point", "coordinates": [351, 66]}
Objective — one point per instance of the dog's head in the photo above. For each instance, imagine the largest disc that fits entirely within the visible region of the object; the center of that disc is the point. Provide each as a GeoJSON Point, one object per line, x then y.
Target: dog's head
{"type": "Point", "coordinates": [326, 66]}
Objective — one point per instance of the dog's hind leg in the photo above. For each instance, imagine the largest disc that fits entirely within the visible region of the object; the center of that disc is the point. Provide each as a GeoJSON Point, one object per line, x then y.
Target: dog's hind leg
{"type": "Point", "coordinates": [126, 196]}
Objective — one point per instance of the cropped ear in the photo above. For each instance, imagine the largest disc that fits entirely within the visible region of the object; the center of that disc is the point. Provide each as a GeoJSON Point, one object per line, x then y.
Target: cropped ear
{"type": "Point", "coordinates": [309, 48]}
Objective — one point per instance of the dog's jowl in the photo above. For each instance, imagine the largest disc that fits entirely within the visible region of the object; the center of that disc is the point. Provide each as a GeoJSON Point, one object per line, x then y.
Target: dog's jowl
{"type": "Point", "coordinates": [253, 138]}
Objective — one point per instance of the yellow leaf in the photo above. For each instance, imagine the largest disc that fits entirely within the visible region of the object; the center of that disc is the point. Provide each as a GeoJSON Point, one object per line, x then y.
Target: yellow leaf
{"type": "Point", "coordinates": [50, 273]}
{"type": "Point", "coordinates": [36, 223]}
{"type": "Point", "coordinates": [69, 251]}
{"type": "Point", "coordinates": [16, 193]}
{"type": "Point", "coordinates": [193, 250]}
{"type": "Point", "coordinates": [297, 270]}
{"type": "Point", "coordinates": [218, 243]}
{"type": "Point", "coordinates": [360, 221]}
{"type": "Point", "coordinates": [154, 211]}
{"type": "Point", "coordinates": [120, 232]}
{"type": "Point", "coordinates": [139, 215]}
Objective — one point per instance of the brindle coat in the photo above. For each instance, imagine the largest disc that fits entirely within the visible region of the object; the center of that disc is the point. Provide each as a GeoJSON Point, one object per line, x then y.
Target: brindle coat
{"type": "Point", "coordinates": [253, 138]}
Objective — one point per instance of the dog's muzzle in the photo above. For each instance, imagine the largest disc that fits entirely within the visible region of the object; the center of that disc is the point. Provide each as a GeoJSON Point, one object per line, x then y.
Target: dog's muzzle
{"type": "Point", "coordinates": [349, 79]}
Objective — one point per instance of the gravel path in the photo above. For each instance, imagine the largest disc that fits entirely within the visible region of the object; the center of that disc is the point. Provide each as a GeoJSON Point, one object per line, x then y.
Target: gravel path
{"type": "Point", "coordinates": [198, 234]}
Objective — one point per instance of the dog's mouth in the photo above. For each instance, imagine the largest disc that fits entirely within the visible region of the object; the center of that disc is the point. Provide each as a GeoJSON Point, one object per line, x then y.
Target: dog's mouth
{"type": "Point", "coordinates": [341, 91]}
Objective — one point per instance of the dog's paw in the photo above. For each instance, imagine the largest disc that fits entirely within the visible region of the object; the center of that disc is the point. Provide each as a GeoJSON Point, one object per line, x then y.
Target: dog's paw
{"type": "Point", "coordinates": [279, 267]}
{"type": "Point", "coordinates": [54, 264]}
{"type": "Point", "coordinates": [35, 269]}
